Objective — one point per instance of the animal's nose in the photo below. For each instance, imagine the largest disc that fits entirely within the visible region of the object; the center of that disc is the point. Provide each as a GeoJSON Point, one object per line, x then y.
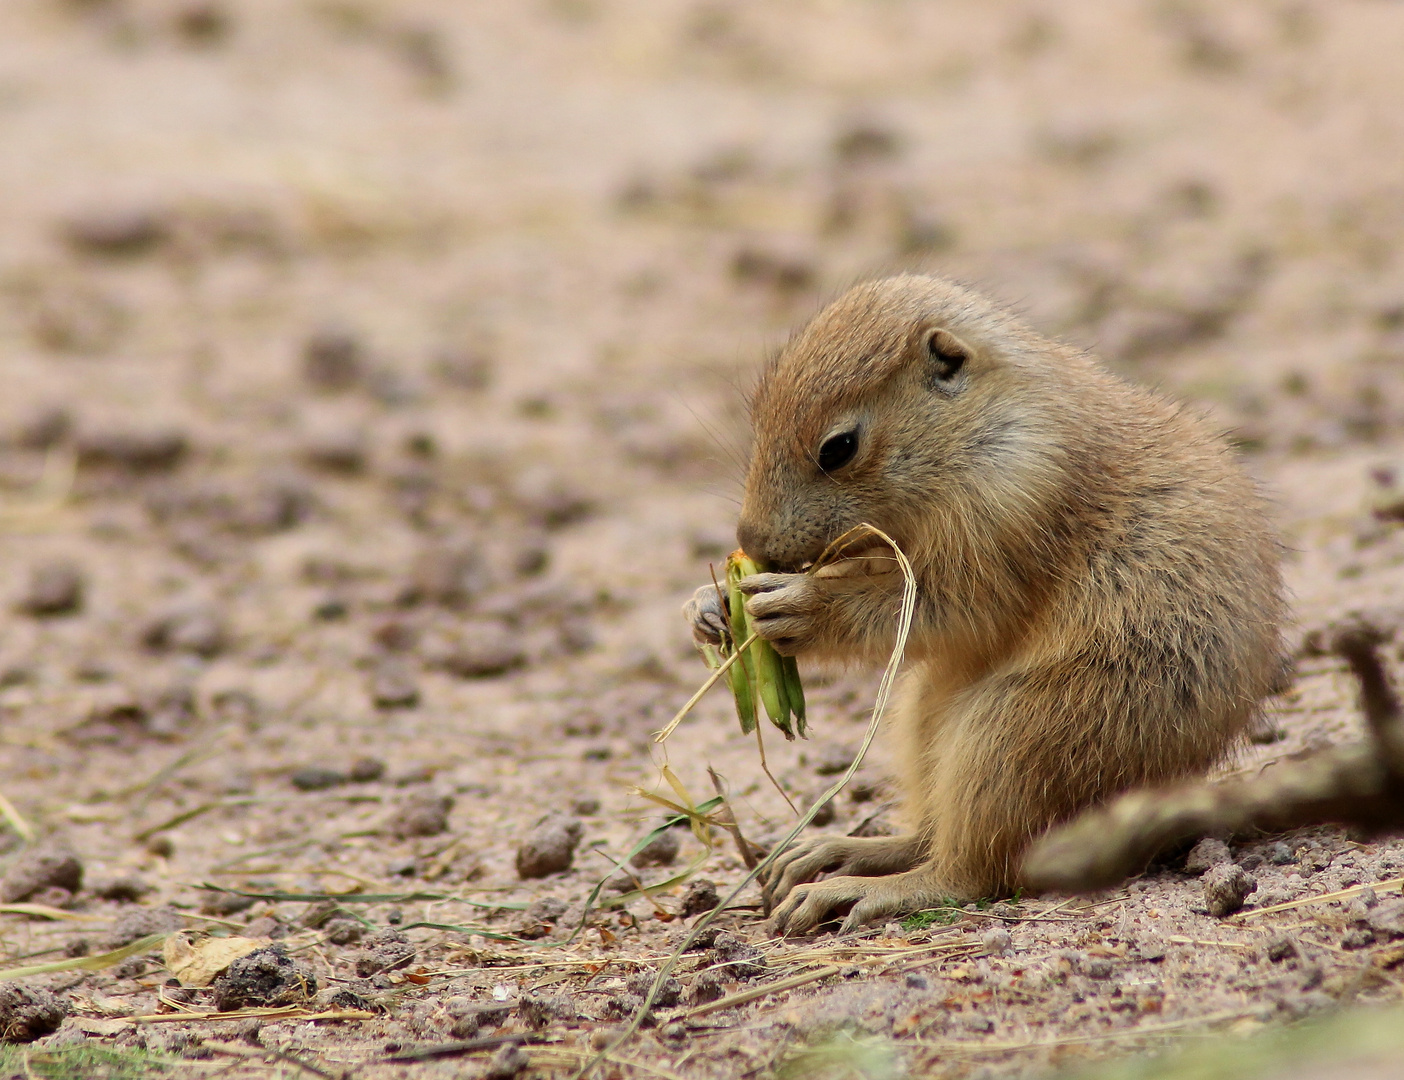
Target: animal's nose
{"type": "Point", "coordinates": [754, 541]}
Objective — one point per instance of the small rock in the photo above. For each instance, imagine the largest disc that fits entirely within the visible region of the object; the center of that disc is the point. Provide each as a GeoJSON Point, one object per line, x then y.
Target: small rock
{"type": "Point", "coordinates": [195, 628]}
{"type": "Point", "coordinates": [1226, 886]}
{"type": "Point", "coordinates": [662, 850]}
{"type": "Point", "coordinates": [385, 951]}
{"type": "Point", "coordinates": [265, 978]}
{"type": "Point", "coordinates": [742, 960]}
{"type": "Point", "coordinates": [997, 941]}
{"type": "Point", "coordinates": [450, 576]}
{"type": "Point", "coordinates": [915, 980]}
{"type": "Point", "coordinates": [701, 896]}
{"type": "Point", "coordinates": [343, 931]}
{"type": "Point", "coordinates": [832, 760]}
{"type": "Point", "coordinates": [224, 904]}
{"type": "Point", "coordinates": [669, 994]}
{"type": "Point", "coordinates": [1280, 949]}
{"type": "Point", "coordinates": [482, 652]}
{"type": "Point", "coordinates": [539, 1011]}
{"type": "Point", "coordinates": [708, 986]}
{"type": "Point", "coordinates": [343, 452]}
{"type": "Point", "coordinates": [825, 815]}
{"type": "Point", "coordinates": [170, 712]}
{"type": "Point", "coordinates": [132, 451]}
{"type": "Point", "coordinates": [1362, 937]}
{"type": "Point", "coordinates": [1387, 918]}
{"type": "Point", "coordinates": [317, 778]}
{"type": "Point", "coordinates": [1205, 855]}
{"type": "Point", "coordinates": [53, 896]}
{"type": "Point", "coordinates": [40, 867]}
{"type": "Point", "coordinates": [393, 686]}
{"type": "Point", "coordinates": [1280, 854]}
{"type": "Point", "coordinates": [125, 890]}
{"type": "Point", "coordinates": [424, 814]}
{"type": "Point", "coordinates": [585, 807]}
{"type": "Point", "coordinates": [1099, 968]}
{"type": "Point", "coordinates": [508, 1063]}
{"type": "Point", "coordinates": [367, 769]}
{"type": "Point", "coordinates": [55, 588]}
{"type": "Point", "coordinates": [549, 848]}
{"type": "Point", "coordinates": [116, 231]}
{"type": "Point", "coordinates": [28, 1013]}
{"type": "Point", "coordinates": [332, 359]}
{"type": "Point", "coordinates": [136, 923]}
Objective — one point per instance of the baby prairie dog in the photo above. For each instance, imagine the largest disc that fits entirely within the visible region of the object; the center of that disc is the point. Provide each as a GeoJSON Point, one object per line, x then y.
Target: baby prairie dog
{"type": "Point", "coordinates": [1098, 590]}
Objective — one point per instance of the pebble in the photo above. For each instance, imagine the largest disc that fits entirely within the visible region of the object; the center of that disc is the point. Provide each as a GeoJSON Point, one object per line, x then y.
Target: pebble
{"type": "Point", "coordinates": [367, 769]}
{"type": "Point", "coordinates": [832, 760]}
{"type": "Point", "coordinates": [662, 850]}
{"type": "Point", "coordinates": [193, 628]}
{"type": "Point", "coordinates": [224, 904]}
{"type": "Point", "coordinates": [708, 986]}
{"type": "Point", "coordinates": [55, 588]}
{"type": "Point", "coordinates": [550, 847]}
{"type": "Point", "coordinates": [422, 814]}
{"type": "Point", "coordinates": [332, 359]}
{"type": "Point", "coordinates": [170, 712]}
{"type": "Point", "coordinates": [1280, 854]}
{"type": "Point", "coordinates": [392, 686]}
{"type": "Point", "coordinates": [448, 575]}
{"type": "Point", "coordinates": [1280, 949]}
{"type": "Point", "coordinates": [28, 1012]}
{"type": "Point", "coordinates": [538, 1011]}
{"type": "Point", "coordinates": [507, 1063]}
{"type": "Point", "coordinates": [585, 807]}
{"type": "Point", "coordinates": [669, 994]}
{"type": "Point", "coordinates": [701, 896]}
{"type": "Point", "coordinates": [125, 890]}
{"type": "Point", "coordinates": [1099, 968]}
{"type": "Point", "coordinates": [115, 231]}
{"type": "Point", "coordinates": [137, 923]}
{"type": "Point", "coordinates": [156, 450]}
{"type": "Point", "coordinates": [317, 778]}
{"type": "Point", "coordinates": [1226, 887]}
{"type": "Point", "coordinates": [997, 941]}
{"type": "Point", "coordinates": [1362, 937]}
{"type": "Point", "coordinates": [385, 951]}
{"type": "Point", "coordinates": [342, 451]}
{"type": "Point", "coordinates": [343, 931]}
{"type": "Point", "coordinates": [1205, 855]}
{"type": "Point", "coordinates": [40, 867]}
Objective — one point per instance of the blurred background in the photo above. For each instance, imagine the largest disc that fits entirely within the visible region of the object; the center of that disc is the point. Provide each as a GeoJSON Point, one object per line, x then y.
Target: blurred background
{"type": "Point", "coordinates": [372, 373]}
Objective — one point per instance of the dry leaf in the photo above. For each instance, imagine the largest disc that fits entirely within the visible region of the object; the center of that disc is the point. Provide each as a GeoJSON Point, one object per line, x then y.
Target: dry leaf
{"type": "Point", "coordinates": [197, 963]}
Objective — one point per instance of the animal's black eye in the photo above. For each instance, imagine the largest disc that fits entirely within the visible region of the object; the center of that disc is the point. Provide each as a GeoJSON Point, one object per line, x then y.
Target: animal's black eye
{"type": "Point", "coordinates": [838, 450]}
{"type": "Point", "coordinates": [948, 355]}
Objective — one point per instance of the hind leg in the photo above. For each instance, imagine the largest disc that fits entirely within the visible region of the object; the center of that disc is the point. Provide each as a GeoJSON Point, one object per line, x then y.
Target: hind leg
{"type": "Point", "coordinates": [865, 899]}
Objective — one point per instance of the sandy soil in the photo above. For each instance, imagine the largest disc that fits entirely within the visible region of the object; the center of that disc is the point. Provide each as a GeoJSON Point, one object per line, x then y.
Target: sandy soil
{"type": "Point", "coordinates": [401, 348]}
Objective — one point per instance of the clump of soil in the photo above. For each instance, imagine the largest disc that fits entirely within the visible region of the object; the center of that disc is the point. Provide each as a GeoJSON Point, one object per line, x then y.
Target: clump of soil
{"type": "Point", "coordinates": [264, 978]}
{"type": "Point", "coordinates": [27, 1013]}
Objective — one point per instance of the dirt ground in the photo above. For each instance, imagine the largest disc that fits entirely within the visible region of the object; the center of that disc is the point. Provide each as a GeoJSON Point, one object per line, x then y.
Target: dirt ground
{"type": "Point", "coordinates": [373, 396]}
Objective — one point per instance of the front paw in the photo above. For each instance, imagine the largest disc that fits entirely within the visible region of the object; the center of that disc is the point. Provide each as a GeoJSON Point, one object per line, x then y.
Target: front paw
{"type": "Point", "coordinates": [785, 609]}
{"type": "Point", "coordinates": [706, 615]}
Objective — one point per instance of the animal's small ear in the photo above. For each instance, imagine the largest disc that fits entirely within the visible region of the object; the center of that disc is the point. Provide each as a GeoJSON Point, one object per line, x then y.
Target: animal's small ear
{"type": "Point", "coordinates": [946, 354]}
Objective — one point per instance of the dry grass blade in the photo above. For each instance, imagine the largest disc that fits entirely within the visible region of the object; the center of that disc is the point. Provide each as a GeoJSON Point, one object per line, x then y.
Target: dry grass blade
{"type": "Point", "coordinates": [287, 1012]}
{"type": "Point", "coordinates": [88, 963]}
{"type": "Point", "coordinates": [16, 820]}
{"type": "Point", "coordinates": [46, 496]}
{"type": "Point", "coordinates": [1340, 894]}
{"type": "Point", "coordinates": [741, 997]}
{"type": "Point", "coordinates": [722, 669]}
{"type": "Point", "coordinates": [45, 911]}
{"type": "Point", "coordinates": [889, 676]}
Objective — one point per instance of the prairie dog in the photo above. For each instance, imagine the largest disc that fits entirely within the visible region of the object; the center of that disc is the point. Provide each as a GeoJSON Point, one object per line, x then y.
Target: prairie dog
{"type": "Point", "coordinates": [1099, 593]}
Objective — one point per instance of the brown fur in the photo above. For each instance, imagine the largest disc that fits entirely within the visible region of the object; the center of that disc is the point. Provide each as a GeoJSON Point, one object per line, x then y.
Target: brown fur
{"type": "Point", "coordinates": [1098, 587]}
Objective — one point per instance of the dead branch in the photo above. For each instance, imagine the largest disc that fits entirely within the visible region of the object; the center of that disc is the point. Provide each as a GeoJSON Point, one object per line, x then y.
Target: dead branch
{"type": "Point", "coordinates": [1361, 785]}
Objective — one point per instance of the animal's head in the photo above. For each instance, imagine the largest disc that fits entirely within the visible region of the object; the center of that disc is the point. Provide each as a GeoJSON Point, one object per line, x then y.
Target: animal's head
{"type": "Point", "coordinates": [906, 403]}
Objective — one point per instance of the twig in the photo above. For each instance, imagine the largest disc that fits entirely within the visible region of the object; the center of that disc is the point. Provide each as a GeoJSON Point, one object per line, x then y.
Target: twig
{"type": "Point", "coordinates": [722, 669]}
{"type": "Point", "coordinates": [16, 820]}
{"type": "Point", "coordinates": [765, 768]}
{"type": "Point", "coordinates": [1340, 894]}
